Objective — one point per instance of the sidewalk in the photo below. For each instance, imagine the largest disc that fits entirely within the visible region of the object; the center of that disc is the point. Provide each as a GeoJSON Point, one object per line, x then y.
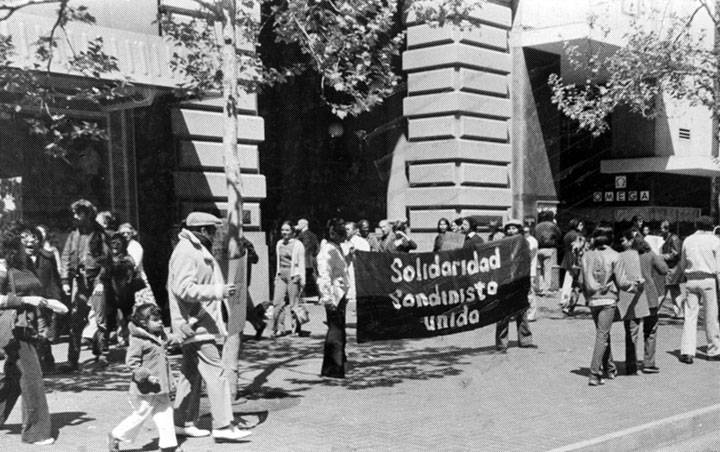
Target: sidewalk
{"type": "Point", "coordinates": [445, 393]}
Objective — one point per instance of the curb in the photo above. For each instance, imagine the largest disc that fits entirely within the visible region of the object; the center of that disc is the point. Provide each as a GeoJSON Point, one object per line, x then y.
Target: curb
{"type": "Point", "coordinates": [650, 436]}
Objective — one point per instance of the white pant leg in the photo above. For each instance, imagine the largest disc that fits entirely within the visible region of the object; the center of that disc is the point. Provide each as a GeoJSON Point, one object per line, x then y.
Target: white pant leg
{"type": "Point", "coordinates": [163, 418]}
{"type": "Point", "coordinates": [691, 306]}
{"type": "Point", "coordinates": [128, 429]}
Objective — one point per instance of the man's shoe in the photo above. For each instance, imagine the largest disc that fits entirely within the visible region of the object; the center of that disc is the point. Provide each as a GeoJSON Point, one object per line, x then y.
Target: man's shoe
{"type": "Point", "coordinates": [527, 346]}
{"type": "Point", "coordinates": [713, 358]}
{"type": "Point", "coordinates": [113, 443]}
{"type": "Point", "coordinates": [595, 381]}
{"type": "Point", "coordinates": [191, 431]}
{"type": "Point", "coordinates": [687, 359]}
{"type": "Point", "coordinates": [650, 370]}
{"type": "Point", "coordinates": [44, 442]}
{"type": "Point", "coordinates": [501, 349]}
{"type": "Point", "coordinates": [230, 434]}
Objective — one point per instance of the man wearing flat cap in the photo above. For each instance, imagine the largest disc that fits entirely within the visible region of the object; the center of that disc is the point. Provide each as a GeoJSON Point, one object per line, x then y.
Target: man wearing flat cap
{"type": "Point", "coordinates": [513, 227]}
{"type": "Point", "coordinates": [196, 291]}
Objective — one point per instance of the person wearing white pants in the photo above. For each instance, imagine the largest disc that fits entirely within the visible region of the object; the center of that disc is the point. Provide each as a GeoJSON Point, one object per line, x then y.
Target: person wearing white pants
{"type": "Point", "coordinates": [159, 407]}
{"type": "Point", "coordinates": [700, 262]}
{"type": "Point", "coordinates": [151, 381]}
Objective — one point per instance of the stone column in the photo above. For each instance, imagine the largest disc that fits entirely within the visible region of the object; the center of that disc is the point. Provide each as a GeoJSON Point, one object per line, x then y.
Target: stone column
{"type": "Point", "coordinates": [456, 159]}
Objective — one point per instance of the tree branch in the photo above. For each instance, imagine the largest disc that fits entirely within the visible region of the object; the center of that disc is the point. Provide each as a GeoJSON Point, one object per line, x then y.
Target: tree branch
{"type": "Point", "coordinates": [10, 7]}
{"type": "Point", "coordinates": [51, 40]}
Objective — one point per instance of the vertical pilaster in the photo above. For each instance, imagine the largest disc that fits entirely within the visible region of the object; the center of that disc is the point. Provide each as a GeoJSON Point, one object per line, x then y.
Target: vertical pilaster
{"type": "Point", "coordinates": [458, 153]}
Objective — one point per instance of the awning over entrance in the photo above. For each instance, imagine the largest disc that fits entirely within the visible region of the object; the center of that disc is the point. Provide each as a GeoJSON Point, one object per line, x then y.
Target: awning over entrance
{"type": "Point", "coordinates": [648, 213]}
{"type": "Point", "coordinates": [699, 165]}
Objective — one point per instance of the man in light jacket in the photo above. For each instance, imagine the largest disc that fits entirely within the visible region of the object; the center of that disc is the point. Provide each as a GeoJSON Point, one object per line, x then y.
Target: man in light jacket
{"type": "Point", "coordinates": [196, 289]}
{"type": "Point", "coordinates": [700, 263]}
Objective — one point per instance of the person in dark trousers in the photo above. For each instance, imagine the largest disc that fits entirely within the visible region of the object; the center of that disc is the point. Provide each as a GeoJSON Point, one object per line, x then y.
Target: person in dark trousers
{"type": "Point", "coordinates": [21, 291]}
{"type": "Point", "coordinates": [333, 284]}
{"type": "Point", "coordinates": [311, 244]}
{"type": "Point", "coordinates": [86, 249]}
{"type": "Point", "coordinates": [502, 328]}
{"type": "Point", "coordinates": [254, 314]}
{"type": "Point", "coordinates": [654, 270]}
{"type": "Point", "coordinates": [603, 276]}
{"type": "Point", "coordinates": [549, 238]}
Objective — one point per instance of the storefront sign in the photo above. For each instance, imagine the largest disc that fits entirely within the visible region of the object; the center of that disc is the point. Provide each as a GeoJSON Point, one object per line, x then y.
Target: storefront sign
{"type": "Point", "coordinates": [645, 195]}
{"type": "Point", "coordinates": [418, 295]}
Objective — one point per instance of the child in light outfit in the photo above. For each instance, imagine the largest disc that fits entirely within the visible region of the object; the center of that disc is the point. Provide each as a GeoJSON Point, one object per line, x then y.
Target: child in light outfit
{"type": "Point", "coordinates": [151, 381]}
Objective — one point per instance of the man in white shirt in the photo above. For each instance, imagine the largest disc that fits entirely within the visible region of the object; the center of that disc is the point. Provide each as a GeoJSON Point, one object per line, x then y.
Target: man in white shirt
{"type": "Point", "coordinates": [353, 243]}
{"type": "Point", "coordinates": [700, 263]}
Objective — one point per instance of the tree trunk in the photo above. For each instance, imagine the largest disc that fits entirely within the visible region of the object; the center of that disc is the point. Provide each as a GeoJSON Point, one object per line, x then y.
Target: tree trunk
{"type": "Point", "coordinates": [237, 258]}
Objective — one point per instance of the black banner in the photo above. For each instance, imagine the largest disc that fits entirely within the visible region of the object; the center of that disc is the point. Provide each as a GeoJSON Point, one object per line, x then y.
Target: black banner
{"type": "Point", "coordinates": [418, 295]}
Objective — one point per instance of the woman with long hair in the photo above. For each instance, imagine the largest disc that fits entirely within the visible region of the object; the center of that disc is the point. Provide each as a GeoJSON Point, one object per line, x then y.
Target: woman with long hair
{"type": "Point", "coordinates": [289, 281]}
{"type": "Point", "coordinates": [333, 285]}
{"type": "Point", "coordinates": [603, 275]}
{"type": "Point", "coordinates": [22, 292]}
{"type": "Point", "coordinates": [443, 226]}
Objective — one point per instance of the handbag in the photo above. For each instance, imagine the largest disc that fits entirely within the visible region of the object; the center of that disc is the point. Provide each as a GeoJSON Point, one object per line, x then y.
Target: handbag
{"type": "Point", "coordinates": [301, 314]}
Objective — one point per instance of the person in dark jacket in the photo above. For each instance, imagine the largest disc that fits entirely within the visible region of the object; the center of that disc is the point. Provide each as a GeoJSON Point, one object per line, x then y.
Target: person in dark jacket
{"type": "Point", "coordinates": [312, 246]}
{"type": "Point", "coordinates": [513, 227]}
{"type": "Point", "coordinates": [654, 270]}
{"type": "Point", "coordinates": [548, 236]}
{"type": "Point", "coordinates": [86, 249]}
{"type": "Point", "coordinates": [472, 238]}
{"type": "Point", "coordinates": [254, 314]}
{"type": "Point", "coordinates": [573, 244]}
{"type": "Point", "coordinates": [671, 252]}
{"type": "Point", "coordinates": [151, 381]}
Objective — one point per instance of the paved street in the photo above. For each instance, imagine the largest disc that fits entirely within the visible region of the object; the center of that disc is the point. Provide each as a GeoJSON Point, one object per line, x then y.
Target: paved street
{"type": "Point", "coordinates": [447, 393]}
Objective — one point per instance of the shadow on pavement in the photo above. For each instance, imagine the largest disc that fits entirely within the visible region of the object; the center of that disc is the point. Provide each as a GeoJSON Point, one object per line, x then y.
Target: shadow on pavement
{"type": "Point", "coordinates": [58, 420]}
{"type": "Point", "coordinates": [370, 365]}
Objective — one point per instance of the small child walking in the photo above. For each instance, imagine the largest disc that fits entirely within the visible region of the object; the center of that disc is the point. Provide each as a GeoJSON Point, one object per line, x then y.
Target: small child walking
{"type": "Point", "coordinates": [151, 381]}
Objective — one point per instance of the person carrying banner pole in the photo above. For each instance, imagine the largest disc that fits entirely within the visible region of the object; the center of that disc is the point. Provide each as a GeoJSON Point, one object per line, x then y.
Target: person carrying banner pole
{"type": "Point", "coordinates": [513, 227]}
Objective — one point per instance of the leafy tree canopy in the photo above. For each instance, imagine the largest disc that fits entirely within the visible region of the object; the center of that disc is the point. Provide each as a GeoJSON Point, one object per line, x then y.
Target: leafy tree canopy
{"type": "Point", "coordinates": [665, 55]}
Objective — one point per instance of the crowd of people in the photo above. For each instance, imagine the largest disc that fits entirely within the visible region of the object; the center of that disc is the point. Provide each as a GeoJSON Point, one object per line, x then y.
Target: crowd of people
{"type": "Point", "coordinates": [95, 289]}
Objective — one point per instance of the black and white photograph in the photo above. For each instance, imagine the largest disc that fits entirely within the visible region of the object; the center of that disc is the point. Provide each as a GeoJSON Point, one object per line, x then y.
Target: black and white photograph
{"type": "Point", "coordinates": [359, 225]}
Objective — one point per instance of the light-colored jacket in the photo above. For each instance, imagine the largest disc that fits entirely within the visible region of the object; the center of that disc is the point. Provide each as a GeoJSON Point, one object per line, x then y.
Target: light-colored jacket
{"type": "Point", "coordinates": [195, 290]}
{"type": "Point", "coordinates": [332, 278]}
{"type": "Point", "coordinates": [297, 263]}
